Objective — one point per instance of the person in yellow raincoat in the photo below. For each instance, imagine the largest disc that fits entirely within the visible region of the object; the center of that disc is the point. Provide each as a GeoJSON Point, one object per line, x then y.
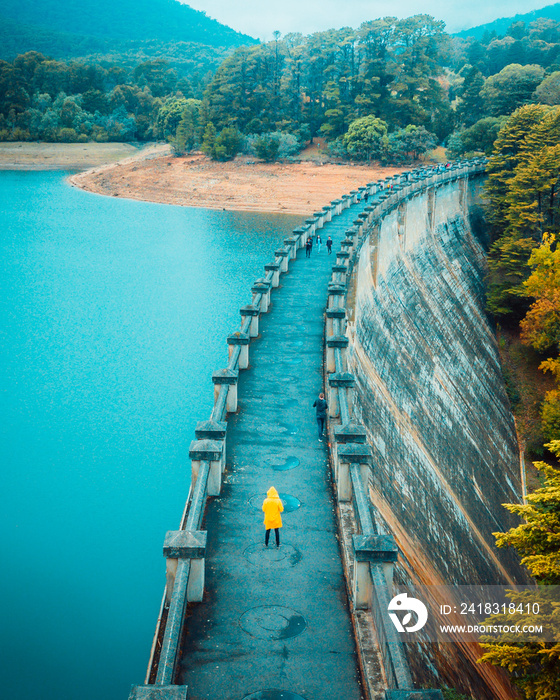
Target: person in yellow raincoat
{"type": "Point", "coordinates": [272, 508]}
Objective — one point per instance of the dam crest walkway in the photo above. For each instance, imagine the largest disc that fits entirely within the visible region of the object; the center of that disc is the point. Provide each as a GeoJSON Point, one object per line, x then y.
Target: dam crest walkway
{"type": "Point", "coordinates": [277, 619]}
{"type": "Point", "coordinates": [240, 621]}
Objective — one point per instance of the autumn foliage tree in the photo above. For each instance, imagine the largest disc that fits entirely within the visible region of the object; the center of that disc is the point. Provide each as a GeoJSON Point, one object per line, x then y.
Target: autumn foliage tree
{"type": "Point", "coordinates": [541, 326]}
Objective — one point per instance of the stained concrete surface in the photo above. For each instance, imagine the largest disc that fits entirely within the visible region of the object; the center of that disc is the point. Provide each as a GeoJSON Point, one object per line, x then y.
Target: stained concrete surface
{"type": "Point", "coordinates": [239, 639]}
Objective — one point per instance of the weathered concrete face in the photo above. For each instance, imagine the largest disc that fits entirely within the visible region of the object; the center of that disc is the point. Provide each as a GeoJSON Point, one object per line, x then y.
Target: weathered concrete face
{"type": "Point", "coordinates": [431, 395]}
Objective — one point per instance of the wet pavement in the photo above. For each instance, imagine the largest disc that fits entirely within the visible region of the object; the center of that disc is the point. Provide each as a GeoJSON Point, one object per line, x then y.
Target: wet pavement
{"type": "Point", "coordinates": [274, 623]}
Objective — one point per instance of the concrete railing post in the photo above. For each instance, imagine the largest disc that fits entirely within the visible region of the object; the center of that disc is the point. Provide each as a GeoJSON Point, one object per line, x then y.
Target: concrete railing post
{"type": "Point", "coordinates": [339, 382]}
{"type": "Point", "coordinates": [241, 339]}
{"type": "Point", "coordinates": [319, 217]}
{"type": "Point", "coordinates": [253, 312]}
{"type": "Point", "coordinates": [299, 235]}
{"type": "Point", "coordinates": [262, 287]}
{"type": "Point", "coordinates": [284, 256]}
{"type": "Point", "coordinates": [291, 244]}
{"type": "Point", "coordinates": [275, 269]}
{"type": "Point", "coordinates": [379, 549]}
{"type": "Point", "coordinates": [335, 313]}
{"type": "Point", "coordinates": [337, 203]}
{"type": "Point", "coordinates": [228, 377]}
{"type": "Point", "coordinates": [216, 431]}
{"type": "Point", "coordinates": [346, 434]}
{"type": "Point", "coordinates": [351, 453]}
{"type": "Point", "coordinates": [335, 341]}
{"type": "Point", "coordinates": [211, 451]}
{"type": "Point", "coordinates": [186, 544]}
{"type": "Point", "coordinates": [339, 273]}
{"type": "Point", "coordinates": [337, 293]}
{"type": "Point", "coordinates": [342, 257]}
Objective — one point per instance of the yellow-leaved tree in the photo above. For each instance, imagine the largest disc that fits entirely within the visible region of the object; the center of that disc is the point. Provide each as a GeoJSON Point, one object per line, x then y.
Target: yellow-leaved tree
{"type": "Point", "coordinates": [541, 326]}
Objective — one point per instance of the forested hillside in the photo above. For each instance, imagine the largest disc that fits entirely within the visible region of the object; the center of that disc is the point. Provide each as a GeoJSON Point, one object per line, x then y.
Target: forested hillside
{"type": "Point", "coordinates": [389, 90]}
{"type": "Point", "coordinates": [123, 20]}
{"type": "Point", "coordinates": [500, 26]}
{"type": "Point", "coordinates": [123, 32]}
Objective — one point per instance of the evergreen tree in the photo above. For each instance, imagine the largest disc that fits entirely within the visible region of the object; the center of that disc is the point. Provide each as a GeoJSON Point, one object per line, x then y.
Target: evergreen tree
{"type": "Point", "coordinates": [508, 151]}
{"type": "Point", "coordinates": [209, 140]}
{"type": "Point", "coordinates": [471, 105]}
{"type": "Point", "coordinates": [533, 200]}
{"type": "Point", "coordinates": [511, 88]}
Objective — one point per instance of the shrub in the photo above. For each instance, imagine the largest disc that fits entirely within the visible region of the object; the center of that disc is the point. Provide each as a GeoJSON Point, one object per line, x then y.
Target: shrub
{"type": "Point", "coordinates": [227, 144]}
{"type": "Point", "coordinates": [271, 145]}
{"type": "Point", "coordinates": [67, 135]}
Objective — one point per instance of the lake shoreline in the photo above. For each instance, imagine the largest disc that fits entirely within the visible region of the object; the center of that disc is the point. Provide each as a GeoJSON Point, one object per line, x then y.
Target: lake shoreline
{"type": "Point", "coordinates": [242, 184]}
{"type": "Point", "coordinates": [151, 173]}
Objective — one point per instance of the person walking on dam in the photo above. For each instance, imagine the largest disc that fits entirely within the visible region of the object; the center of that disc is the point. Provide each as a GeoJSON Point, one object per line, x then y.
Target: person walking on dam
{"type": "Point", "coordinates": [272, 507]}
{"type": "Point", "coordinates": [321, 406]}
{"type": "Point", "coordinates": [319, 243]}
{"type": "Point", "coordinates": [308, 247]}
{"type": "Point", "coordinates": [329, 244]}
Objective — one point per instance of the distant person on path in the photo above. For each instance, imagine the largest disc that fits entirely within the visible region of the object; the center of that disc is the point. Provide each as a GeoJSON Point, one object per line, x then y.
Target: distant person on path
{"type": "Point", "coordinates": [329, 244]}
{"type": "Point", "coordinates": [366, 196]}
{"type": "Point", "coordinates": [319, 243]}
{"type": "Point", "coordinates": [272, 507]}
{"type": "Point", "coordinates": [308, 247]}
{"type": "Point", "coordinates": [321, 406]}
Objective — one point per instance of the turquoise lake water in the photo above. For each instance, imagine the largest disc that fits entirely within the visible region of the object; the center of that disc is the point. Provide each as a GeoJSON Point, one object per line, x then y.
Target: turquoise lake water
{"type": "Point", "coordinates": [113, 315]}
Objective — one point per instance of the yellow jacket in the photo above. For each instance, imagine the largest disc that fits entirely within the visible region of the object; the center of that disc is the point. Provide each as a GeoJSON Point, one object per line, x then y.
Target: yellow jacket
{"type": "Point", "coordinates": [272, 508]}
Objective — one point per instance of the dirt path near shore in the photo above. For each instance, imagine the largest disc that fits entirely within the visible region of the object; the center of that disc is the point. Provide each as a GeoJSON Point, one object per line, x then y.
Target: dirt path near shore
{"type": "Point", "coordinates": [242, 184]}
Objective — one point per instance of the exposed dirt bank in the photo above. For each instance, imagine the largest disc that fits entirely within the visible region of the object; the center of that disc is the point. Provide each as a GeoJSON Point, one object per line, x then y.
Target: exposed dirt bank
{"type": "Point", "coordinates": [20, 155]}
{"type": "Point", "coordinates": [242, 184]}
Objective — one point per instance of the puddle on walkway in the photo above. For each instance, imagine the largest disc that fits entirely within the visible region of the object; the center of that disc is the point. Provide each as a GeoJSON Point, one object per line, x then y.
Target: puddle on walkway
{"type": "Point", "coordinates": [285, 465]}
{"type": "Point", "coordinates": [284, 557]}
{"type": "Point", "coordinates": [290, 428]}
{"type": "Point", "coordinates": [272, 622]}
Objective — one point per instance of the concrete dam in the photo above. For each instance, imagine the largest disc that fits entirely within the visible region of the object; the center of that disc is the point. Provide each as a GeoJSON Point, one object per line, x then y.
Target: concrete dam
{"type": "Point", "coordinates": [430, 390]}
{"type": "Point", "coordinates": [406, 491]}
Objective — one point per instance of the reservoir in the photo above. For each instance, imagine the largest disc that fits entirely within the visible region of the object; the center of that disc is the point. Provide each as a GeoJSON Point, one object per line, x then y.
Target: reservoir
{"type": "Point", "coordinates": [113, 315]}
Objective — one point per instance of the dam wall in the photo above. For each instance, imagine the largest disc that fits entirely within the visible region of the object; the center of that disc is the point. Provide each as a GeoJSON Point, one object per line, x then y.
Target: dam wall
{"type": "Point", "coordinates": [430, 392]}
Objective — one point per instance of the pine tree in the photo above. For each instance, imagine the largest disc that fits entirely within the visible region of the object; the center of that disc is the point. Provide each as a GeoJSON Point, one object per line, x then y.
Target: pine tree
{"type": "Point", "coordinates": [471, 106]}
{"type": "Point", "coordinates": [209, 140]}
{"type": "Point", "coordinates": [508, 152]}
{"type": "Point", "coordinates": [533, 201]}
